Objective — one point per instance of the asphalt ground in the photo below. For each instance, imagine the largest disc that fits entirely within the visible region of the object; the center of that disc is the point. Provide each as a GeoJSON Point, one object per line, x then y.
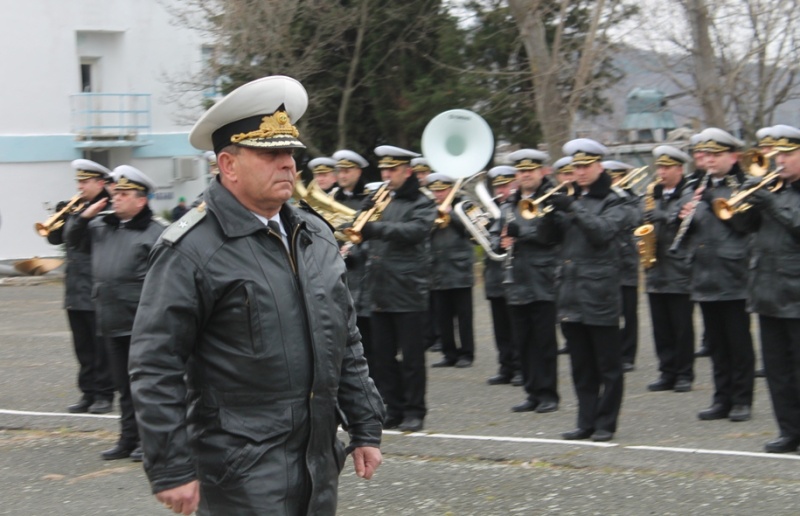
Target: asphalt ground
{"type": "Point", "coordinates": [475, 457]}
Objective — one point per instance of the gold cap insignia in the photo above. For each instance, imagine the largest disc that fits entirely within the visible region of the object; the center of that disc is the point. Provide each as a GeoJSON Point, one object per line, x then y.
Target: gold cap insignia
{"type": "Point", "coordinates": [276, 124]}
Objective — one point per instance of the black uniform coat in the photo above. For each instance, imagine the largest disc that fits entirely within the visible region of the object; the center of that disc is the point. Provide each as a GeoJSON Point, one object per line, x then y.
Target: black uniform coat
{"type": "Point", "coordinates": [273, 361]}
{"type": "Point", "coordinates": [671, 272]}
{"type": "Point", "coordinates": [453, 256]}
{"type": "Point", "coordinates": [398, 268]}
{"type": "Point", "coordinates": [119, 264]}
{"type": "Point", "coordinates": [78, 273]}
{"type": "Point", "coordinates": [356, 260]}
{"type": "Point", "coordinates": [774, 288]}
{"type": "Point", "coordinates": [589, 276]}
{"type": "Point", "coordinates": [719, 253]}
{"type": "Point", "coordinates": [535, 254]}
{"type": "Point", "coordinates": [629, 254]}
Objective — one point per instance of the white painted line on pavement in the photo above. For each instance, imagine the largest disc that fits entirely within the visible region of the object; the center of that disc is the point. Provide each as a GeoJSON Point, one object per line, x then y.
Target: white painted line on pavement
{"type": "Point", "coordinates": [502, 439]}
{"type": "Point", "coordinates": [717, 452]}
{"type": "Point", "coordinates": [55, 414]}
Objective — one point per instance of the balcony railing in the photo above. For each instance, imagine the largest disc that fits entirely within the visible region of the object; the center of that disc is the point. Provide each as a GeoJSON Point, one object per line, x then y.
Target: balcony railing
{"type": "Point", "coordinates": [111, 119]}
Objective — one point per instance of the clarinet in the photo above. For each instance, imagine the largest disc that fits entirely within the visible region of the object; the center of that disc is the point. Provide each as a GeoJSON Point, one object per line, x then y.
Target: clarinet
{"type": "Point", "coordinates": [687, 220]}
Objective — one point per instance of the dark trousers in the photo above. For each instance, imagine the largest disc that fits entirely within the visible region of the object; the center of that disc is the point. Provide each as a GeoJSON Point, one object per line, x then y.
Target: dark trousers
{"type": "Point", "coordinates": [454, 304]}
{"type": "Point", "coordinates": [507, 354]}
{"type": "Point", "coordinates": [534, 331]}
{"type": "Point", "coordinates": [118, 349]}
{"type": "Point", "coordinates": [596, 373]}
{"type": "Point", "coordinates": [780, 349]}
{"type": "Point", "coordinates": [673, 333]}
{"type": "Point", "coordinates": [365, 328]}
{"type": "Point", "coordinates": [401, 383]}
{"type": "Point", "coordinates": [629, 334]}
{"type": "Point", "coordinates": [430, 324]}
{"type": "Point", "coordinates": [94, 376]}
{"type": "Point", "coordinates": [728, 330]}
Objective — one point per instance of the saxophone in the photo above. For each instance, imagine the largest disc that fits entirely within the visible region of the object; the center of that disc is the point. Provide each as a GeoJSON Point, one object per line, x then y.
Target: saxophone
{"type": "Point", "coordinates": [646, 233]}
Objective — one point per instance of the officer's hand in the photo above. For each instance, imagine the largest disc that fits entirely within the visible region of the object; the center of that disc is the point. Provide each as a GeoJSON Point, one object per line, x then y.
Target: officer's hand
{"type": "Point", "coordinates": [366, 461]}
{"type": "Point", "coordinates": [562, 202]}
{"type": "Point", "coordinates": [506, 242]}
{"type": "Point", "coordinates": [182, 499]}
{"type": "Point", "coordinates": [687, 209]}
{"type": "Point", "coordinates": [94, 209]}
{"type": "Point", "coordinates": [513, 229]}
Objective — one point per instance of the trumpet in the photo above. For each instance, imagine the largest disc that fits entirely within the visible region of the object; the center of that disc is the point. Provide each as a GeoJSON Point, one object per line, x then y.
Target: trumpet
{"type": "Point", "coordinates": [58, 219]}
{"type": "Point", "coordinates": [529, 208]}
{"type": "Point", "coordinates": [632, 178]}
{"type": "Point", "coordinates": [381, 199]}
{"type": "Point", "coordinates": [724, 209]}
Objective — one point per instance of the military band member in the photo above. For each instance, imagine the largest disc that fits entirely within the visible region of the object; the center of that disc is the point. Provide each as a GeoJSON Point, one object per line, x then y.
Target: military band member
{"type": "Point", "coordinates": [667, 280]}
{"type": "Point", "coordinates": [564, 173]}
{"type": "Point", "coordinates": [398, 276]}
{"type": "Point", "coordinates": [324, 169]}
{"type": "Point", "coordinates": [94, 375]}
{"type": "Point", "coordinates": [503, 179]}
{"type": "Point", "coordinates": [433, 340]}
{"type": "Point", "coordinates": [121, 242]}
{"type": "Point", "coordinates": [775, 284]}
{"type": "Point", "coordinates": [719, 280]}
{"type": "Point", "coordinates": [452, 279]}
{"type": "Point", "coordinates": [530, 285]}
{"type": "Point", "coordinates": [697, 176]}
{"type": "Point", "coordinates": [588, 290]}
{"type": "Point", "coordinates": [629, 286]}
{"type": "Point", "coordinates": [422, 170]}
{"type": "Point", "coordinates": [245, 354]}
{"type": "Point", "coordinates": [349, 170]}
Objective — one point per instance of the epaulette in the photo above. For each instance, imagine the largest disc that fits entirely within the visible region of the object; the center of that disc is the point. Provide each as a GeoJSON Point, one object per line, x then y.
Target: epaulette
{"type": "Point", "coordinates": [303, 205]}
{"type": "Point", "coordinates": [183, 225]}
{"type": "Point", "coordinates": [619, 191]}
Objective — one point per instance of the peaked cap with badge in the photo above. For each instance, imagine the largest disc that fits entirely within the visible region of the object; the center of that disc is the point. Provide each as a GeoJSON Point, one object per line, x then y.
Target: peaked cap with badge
{"type": "Point", "coordinates": [528, 159]}
{"type": "Point", "coordinates": [349, 159]}
{"type": "Point", "coordinates": [669, 156]}
{"type": "Point", "coordinates": [787, 138]}
{"type": "Point", "coordinates": [439, 181]}
{"type": "Point", "coordinates": [715, 140]}
{"type": "Point", "coordinates": [695, 140]}
{"type": "Point", "coordinates": [616, 167]}
{"type": "Point", "coordinates": [420, 165]}
{"type": "Point", "coordinates": [765, 137]}
{"type": "Point", "coordinates": [584, 151]}
{"type": "Point", "coordinates": [88, 169]}
{"type": "Point", "coordinates": [322, 165]}
{"type": "Point", "coordinates": [259, 114]}
{"type": "Point", "coordinates": [391, 156]}
{"type": "Point", "coordinates": [131, 178]}
{"type": "Point", "coordinates": [502, 175]}
{"type": "Point", "coordinates": [563, 165]}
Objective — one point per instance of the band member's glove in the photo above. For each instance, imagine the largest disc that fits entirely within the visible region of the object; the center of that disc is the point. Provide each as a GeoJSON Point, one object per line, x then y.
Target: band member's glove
{"type": "Point", "coordinates": [658, 191]}
{"type": "Point", "coordinates": [513, 229]}
{"type": "Point", "coordinates": [761, 198]}
{"type": "Point", "coordinates": [371, 230]}
{"type": "Point", "coordinates": [368, 203]}
{"type": "Point", "coordinates": [60, 205]}
{"type": "Point", "coordinates": [562, 202]}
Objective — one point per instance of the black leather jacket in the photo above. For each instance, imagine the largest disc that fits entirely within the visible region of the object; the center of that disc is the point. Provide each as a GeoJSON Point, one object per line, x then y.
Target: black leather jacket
{"type": "Point", "coordinates": [453, 256]}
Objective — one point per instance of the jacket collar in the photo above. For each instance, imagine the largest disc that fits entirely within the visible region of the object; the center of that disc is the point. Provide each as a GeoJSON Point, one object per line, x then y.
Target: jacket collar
{"type": "Point", "coordinates": [409, 190]}
{"type": "Point", "coordinates": [734, 173]}
{"type": "Point", "coordinates": [139, 222]}
{"type": "Point", "coordinates": [600, 188]}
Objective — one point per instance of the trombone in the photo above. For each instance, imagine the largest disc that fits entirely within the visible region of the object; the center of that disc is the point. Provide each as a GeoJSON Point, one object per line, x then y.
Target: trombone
{"type": "Point", "coordinates": [724, 209]}
{"type": "Point", "coordinates": [59, 218]}
{"type": "Point", "coordinates": [529, 208]}
{"type": "Point", "coordinates": [755, 162]}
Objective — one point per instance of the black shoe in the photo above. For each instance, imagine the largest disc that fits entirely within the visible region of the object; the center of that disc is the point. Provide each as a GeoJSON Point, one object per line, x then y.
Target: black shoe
{"type": "Point", "coordinates": [411, 424]}
{"type": "Point", "coordinates": [602, 436]}
{"type": "Point", "coordinates": [443, 363]}
{"type": "Point", "coordinates": [627, 367]}
{"type": "Point", "coordinates": [137, 455]}
{"type": "Point", "coordinates": [782, 445]}
{"type": "Point", "coordinates": [120, 451]}
{"type": "Point", "coordinates": [702, 351]}
{"type": "Point", "coordinates": [81, 407]}
{"type": "Point", "coordinates": [662, 384]}
{"type": "Point", "coordinates": [578, 433]}
{"type": "Point", "coordinates": [392, 422]}
{"type": "Point", "coordinates": [100, 406]}
{"type": "Point", "coordinates": [464, 362]}
{"type": "Point", "coordinates": [517, 380]}
{"type": "Point", "coordinates": [499, 379]}
{"type": "Point", "coordinates": [760, 373]}
{"type": "Point", "coordinates": [715, 411]}
{"type": "Point", "coordinates": [739, 413]}
{"type": "Point", "coordinates": [563, 351]}
{"type": "Point", "coordinates": [525, 406]}
{"type": "Point", "coordinates": [436, 348]}
{"type": "Point", "coordinates": [546, 406]}
{"type": "Point", "coordinates": [683, 385]}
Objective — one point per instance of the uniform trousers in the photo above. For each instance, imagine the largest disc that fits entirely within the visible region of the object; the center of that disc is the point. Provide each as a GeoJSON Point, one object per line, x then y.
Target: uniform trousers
{"type": "Point", "coordinates": [118, 350]}
{"type": "Point", "coordinates": [629, 334]}
{"type": "Point", "coordinates": [533, 326]}
{"type": "Point", "coordinates": [455, 303]}
{"type": "Point", "coordinates": [596, 373]}
{"type": "Point", "coordinates": [430, 323]}
{"type": "Point", "coordinates": [401, 383]}
{"type": "Point", "coordinates": [507, 353]}
{"type": "Point", "coordinates": [728, 330]}
{"type": "Point", "coordinates": [94, 376]}
{"type": "Point", "coordinates": [673, 333]}
{"type": "Point", "coordinates": [780, 349]}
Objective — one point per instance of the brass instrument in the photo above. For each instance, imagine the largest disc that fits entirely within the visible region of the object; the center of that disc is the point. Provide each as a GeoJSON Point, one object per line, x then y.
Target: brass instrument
{"type": "Point", "coordinates": [726, 208]}
{"type": "Point", "coordinates": [477, 211]}
{"type": "Point", "coordinates": [58, 219]}
{"type": "Point", "coordinates": [529, 208]}
{"type": "Point", "coordinates": [381, 199]}
{"type": "Point", "coordinates": [646, 233]}
{"type": "Point", "coordinates": [442, 216]}
{"type": "Point", "coordinates": [332, 211]}
{"type": "Point", "coordinates": [755, 162]}
{"type": "Point", "coordinates": [632, 178]}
